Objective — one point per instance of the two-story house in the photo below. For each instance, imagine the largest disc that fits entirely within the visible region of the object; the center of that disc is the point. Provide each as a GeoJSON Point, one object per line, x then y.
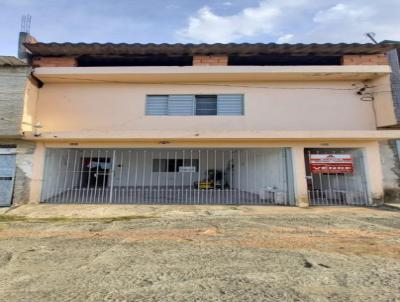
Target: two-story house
{"type": "Point", "coordinates": [15, 154]}
{"type": "Point", "coordinates": [209, 124]}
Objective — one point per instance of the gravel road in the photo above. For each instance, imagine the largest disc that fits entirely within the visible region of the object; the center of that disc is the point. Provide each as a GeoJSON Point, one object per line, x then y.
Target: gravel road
{"type": "Point", "coordinates": [326, 256]}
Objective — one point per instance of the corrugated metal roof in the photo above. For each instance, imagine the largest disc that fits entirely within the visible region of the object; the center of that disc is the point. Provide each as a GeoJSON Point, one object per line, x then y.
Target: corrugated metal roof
{"type": "Point", "coordinates": [76, 49]}
{"type": "Point", "coordinates": [11, 61]}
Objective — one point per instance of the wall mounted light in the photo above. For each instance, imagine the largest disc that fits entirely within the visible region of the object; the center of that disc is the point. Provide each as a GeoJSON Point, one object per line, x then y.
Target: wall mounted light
{"type": "Point", "coordinates": [367, 97]}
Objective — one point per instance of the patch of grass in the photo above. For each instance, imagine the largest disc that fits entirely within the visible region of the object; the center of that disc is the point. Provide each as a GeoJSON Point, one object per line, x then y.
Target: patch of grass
{"type": "Point", "coordinates": [121, 218]}
{"type": "Point", "coordinates": [387, 207]}
{"type": "Point", "coordinates": [12, 218]}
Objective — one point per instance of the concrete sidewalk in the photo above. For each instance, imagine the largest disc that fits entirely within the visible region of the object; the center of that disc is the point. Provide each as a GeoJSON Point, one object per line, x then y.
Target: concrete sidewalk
{"type": "Point", "coordinates": [394, 205]}
{"type": "Point", "coordinates": [109, 211]}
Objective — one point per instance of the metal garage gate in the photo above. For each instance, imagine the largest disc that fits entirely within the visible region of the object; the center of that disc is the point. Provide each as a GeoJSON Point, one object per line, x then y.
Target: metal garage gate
{"type": "Point", "coordinates": [168, 176]}
{"type": "Point", "coordinates": [336, 176]}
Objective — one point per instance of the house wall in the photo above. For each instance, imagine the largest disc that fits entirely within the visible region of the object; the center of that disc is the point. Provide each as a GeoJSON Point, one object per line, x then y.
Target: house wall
{"type": "Point", "coordinates": [395, 79]}
{"type": "Point", "coordinates": [116, 107]}
{"type": "Point", "coordinates": [80, 108]}
{"type": "Point", "coordinates": [210, 60]}
{"type": "Point", "coordinates": [376, 59]}
{"type": "Point", "coordinates": [261, 169]}
{"type": "Point", "coordinates": [29, 108]}
{"type": "Point", "coordinates": [391, 170]}
{"type": "Point", "coordinates": [390, 149]}
{"type": "Point", "coordinates": [12, 87]}
{"type": "Point", "coordinates": [385, 112]}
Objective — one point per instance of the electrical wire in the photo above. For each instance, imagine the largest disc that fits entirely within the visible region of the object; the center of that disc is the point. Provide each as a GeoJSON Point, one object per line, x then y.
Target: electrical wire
{"type": "Point", "coordinates": [108, 81]}
{"type": "Point", "coordinates": [216, 85]}
{"type": "Point", "coordinates": [207, 84]}
{"type": "Point", "coordinates": [219, 85]}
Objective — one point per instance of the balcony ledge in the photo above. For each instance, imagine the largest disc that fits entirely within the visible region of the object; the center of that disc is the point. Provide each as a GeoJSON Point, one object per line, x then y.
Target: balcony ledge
{"type": "Point", "coordinates": [173, 74]}
{"type": "Point", "coordinates": [371, 135]}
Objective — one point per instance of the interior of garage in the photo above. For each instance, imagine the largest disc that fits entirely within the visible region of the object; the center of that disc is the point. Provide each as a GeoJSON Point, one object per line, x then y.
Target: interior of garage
{"type": "Point", "coordinates": [168, 176]}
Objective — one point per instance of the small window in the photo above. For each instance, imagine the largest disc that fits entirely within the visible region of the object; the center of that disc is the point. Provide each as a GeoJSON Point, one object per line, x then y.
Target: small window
{"type": "Point", "coordinates": [178, 165]}
{"type": "Point", "coordinates": [206, 105]}
{"type": "Point", "coordinates": [159, 165]}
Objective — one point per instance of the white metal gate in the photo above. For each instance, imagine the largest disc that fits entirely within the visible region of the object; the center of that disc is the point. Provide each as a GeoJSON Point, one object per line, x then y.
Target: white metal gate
{"type": "Point", "coordinates": [336, 177]}
{"type": "Point", "coordinates": [7, 174]}
{"type": "Point", "coordinates": [168, 176]}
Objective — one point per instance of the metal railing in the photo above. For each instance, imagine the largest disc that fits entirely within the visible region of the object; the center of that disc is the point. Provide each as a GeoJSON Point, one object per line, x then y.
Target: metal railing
{"type": "Point", "coordinates": [169, 176]}
{"type": "Point", "coordinates": [338, 189]}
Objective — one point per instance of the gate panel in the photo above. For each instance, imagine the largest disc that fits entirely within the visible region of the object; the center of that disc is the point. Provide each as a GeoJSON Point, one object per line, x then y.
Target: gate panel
{"type": "Point", "coordinates": [336, 177]}
{"type": "Point", "coordinates": [7, 175]}
{"type": "Point", "coordinates": [169, 176]}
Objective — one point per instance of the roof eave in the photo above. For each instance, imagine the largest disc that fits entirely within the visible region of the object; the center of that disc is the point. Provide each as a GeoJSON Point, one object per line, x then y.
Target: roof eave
{"type": "Point", "coordinates": [124, 49]}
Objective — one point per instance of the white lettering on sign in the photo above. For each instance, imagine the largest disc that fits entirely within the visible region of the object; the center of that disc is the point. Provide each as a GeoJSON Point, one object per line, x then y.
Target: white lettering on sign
{"type": "Point", "coordinates": [330, 158]}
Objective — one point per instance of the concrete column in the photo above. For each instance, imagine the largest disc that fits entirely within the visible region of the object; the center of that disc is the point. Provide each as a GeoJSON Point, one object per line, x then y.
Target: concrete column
{"type": "Point", "coordinates": [300, 181]}
{"type": "Point", "coordinates": [23, 175]}
{"type": "Point", "coordinates": [374, 175]}
{"type": "Point", "coordinates": [214, 60]}
{"type": "Point", "coordinates": [377, 59]}
{"type": "Point", "coordinates": [37, 173]}
{"type": "Point", "coordinates": [390, 169]}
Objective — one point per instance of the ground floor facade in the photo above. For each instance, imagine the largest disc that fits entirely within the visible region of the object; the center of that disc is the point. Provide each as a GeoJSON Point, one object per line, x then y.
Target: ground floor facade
{"type": "Point", "coordinates": [289, 173]}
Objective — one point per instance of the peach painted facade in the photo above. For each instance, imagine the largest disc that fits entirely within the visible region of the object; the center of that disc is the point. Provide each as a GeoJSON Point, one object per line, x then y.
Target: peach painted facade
{"type": "Point", "coordinates": [299, 107]}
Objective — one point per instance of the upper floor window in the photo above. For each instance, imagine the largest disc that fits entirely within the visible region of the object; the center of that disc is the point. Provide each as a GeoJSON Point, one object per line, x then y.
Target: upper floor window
{"type": "Point", "coordinates": [206, 104]}
{"type": "Point", "coordinates": [189, 104]}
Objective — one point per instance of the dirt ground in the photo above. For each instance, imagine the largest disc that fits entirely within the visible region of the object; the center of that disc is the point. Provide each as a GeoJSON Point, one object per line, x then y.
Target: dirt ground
{"type": "Point", "coordinates": [203, 254]}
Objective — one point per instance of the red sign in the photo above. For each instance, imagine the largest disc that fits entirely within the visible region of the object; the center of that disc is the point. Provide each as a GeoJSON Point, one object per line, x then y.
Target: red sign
{"type": "Point", "coordinates": [331, 163]}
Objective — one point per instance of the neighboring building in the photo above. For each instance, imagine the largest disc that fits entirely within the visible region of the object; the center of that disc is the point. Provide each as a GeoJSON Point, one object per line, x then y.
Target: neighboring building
{"type": "Point", "coordinates": [209, 124]}
{"type": "Point", "coordinates": [390, 150]}
{"type": "Point", "coordinates": [15, 154]}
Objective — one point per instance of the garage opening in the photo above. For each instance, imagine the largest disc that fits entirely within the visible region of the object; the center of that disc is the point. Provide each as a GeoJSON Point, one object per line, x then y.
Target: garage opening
{"type": "Point", "coordinates": [169, 176]}
{"type": "Point", "coordinates": [336, 176]}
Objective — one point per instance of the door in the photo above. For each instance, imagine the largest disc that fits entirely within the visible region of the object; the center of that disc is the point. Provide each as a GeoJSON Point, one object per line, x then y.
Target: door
{"type": "Point", "coordinates": [7, 175]}
{"type": "Point", "coordinates": [95, 172]}
{"type": "Point", "coordinates": [336, 176]}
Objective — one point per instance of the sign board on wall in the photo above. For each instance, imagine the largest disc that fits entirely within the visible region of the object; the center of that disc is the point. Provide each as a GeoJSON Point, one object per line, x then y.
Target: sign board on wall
{"type": "Point", "coordinates": [331, 163]}
{"type": "Point", "coordinates": [190, 169]}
